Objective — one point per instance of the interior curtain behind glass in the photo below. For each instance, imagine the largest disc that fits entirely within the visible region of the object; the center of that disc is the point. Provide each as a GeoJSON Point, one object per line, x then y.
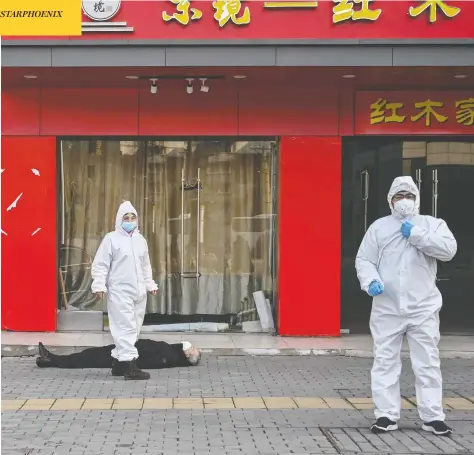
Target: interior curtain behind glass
{"type": "Point", "coordinates": [236, 218]}
{"type": "Point", "coordinates": [235, 214]}
{"type": "Point", "coordinates": [97, 176]}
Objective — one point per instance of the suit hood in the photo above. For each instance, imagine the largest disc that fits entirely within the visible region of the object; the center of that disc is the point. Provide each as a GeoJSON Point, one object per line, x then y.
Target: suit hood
{"type": "Point", "coordinates": [403, 184]}
{"type": "Point", "coordinates": [125, 207]}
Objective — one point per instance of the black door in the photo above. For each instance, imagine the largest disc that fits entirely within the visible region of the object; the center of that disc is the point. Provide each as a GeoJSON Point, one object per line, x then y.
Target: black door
{"type": "Point", "coordinates": [444, 171]}
{"type": "Point", "coordinates": [447, 192]}
{"type": "Point", "coordinates": [369, 166]}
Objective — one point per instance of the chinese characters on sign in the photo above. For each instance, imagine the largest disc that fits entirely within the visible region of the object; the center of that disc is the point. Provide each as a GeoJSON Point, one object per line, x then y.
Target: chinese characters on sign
{"type": "Point", "coordinates": [428, 111]}
{"type": "Point", "coordinates": [101, 10]}
{"type": "Point", "coordinates": [99, 7]}
{"type": "Point", "coordinates": [344, 10]}
{"type": "Point", "coordinates": [432, 6]}
{"type": "Point", "coordinates": [229, 10]}
{"type": "Point", "coordinates": [465, 112]}
{"type": "Point", "coordinates": [381, 108]}
{"type": "Point", "coordinates": [225, 11]}
{"type": "Point", "coordinates": [182, 16]}
{"type": "Point", "coordinates": [234, 11]}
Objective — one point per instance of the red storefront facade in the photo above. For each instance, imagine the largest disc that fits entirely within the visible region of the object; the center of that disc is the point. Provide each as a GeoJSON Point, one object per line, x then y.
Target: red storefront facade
{"type": "Point", "coordinates": [387, 72]}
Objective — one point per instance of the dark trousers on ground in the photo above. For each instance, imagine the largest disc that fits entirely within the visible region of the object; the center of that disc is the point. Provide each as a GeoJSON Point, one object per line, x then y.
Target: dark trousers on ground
{"type": "Point", "coordinates": [151, 355]}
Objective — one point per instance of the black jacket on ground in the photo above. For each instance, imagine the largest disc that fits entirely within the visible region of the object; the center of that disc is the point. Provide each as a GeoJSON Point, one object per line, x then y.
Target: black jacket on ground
{"type": "Point", "coordinates": [152, 355]}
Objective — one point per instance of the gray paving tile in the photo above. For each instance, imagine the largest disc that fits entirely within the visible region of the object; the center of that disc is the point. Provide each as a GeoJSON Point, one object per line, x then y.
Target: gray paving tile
{"type": "Point", "coordinates": [223, 432]}
{"type": "Point", "coordinates": [217, 377]}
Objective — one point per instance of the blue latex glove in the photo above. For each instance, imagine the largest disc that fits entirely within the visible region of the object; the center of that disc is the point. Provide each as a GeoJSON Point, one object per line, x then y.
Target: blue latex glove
{"type": "Point", "coordinates": [406, 229]}
{"type": "Point", "coordinates": [375, 289]}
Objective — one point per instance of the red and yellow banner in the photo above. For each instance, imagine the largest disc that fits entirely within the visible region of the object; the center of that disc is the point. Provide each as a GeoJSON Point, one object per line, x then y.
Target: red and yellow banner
{"type": "Point", "coordinates": [249, 19]}
{"type": "Point", "coordinates": [414, 112]}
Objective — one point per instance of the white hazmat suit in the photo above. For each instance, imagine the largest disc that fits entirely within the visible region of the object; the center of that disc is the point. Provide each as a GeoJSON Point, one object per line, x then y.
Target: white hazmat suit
{"type": "Point", "coordinates": [409, 304]}
{"type": "Point", "coordinates": [122, 269]}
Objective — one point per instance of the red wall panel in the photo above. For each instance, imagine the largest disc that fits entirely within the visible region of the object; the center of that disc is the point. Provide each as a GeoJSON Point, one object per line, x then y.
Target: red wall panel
{"type": "Point", "coordinates": [222, 111]}
{"type": "Point", "coordinates": [20, 111]}
{"type": "Point", "coordinates": [174, 112]}
{"type": "Point", "coordinates": [288, 110]}
{"type": "Point", "coordinates": [89, 112]}
{"type": "Point", "coordinates": [310, 236]}
{"type": "Point", "coordinates": [346, 112]}
{"type": "Point", "coordinates": [29, 237]}
{"type": "Point", "coordinates": [309, 252]}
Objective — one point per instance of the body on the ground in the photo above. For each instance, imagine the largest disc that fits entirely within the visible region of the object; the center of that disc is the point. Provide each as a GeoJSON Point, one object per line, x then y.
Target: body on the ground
{"type": "Point", "coordinates": [152, 355]}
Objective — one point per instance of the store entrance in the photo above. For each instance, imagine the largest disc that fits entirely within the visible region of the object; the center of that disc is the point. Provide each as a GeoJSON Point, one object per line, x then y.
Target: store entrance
{"type": "Point", "coordinates": [444, 171]}
{"type": "Point", "coordinates": [207, 210]}
{"type": "Point", "coordinates": [210, 210]}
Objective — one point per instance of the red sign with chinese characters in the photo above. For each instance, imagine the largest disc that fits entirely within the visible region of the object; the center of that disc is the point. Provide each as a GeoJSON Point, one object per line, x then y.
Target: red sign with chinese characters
{"type": "Point", "coordinates": [236, 19]}
{"type": "Point", "coordinates": [414, 113]}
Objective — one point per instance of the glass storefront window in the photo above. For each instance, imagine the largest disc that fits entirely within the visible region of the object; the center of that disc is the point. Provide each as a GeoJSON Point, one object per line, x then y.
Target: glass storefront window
{"type": "Point", "coordinates": [206, 208]}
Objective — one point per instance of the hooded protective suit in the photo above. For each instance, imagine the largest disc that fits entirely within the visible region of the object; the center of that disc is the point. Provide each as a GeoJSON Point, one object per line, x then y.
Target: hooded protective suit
{"type": "Point", "coordinates": [410, 303]}
{"type": "Point", "coordinates": [122, 269]}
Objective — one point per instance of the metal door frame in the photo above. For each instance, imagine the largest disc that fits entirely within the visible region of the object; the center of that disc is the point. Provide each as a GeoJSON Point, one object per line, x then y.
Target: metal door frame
{"type": "Point", "coordinates": [197, 274]}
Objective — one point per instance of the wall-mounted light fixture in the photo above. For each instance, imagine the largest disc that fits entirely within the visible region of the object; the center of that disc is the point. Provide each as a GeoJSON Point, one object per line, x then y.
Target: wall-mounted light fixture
{"type": "Point", "coordinates": [189, 85]}
{"type": "Point", "coordinates": [204, 86]}
{"type": "Point", "coordinates": [154, 86]}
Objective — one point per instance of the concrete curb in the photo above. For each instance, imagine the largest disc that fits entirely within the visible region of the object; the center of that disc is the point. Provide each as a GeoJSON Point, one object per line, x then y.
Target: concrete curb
{"type": "Point", "coordinates": [32, 351]}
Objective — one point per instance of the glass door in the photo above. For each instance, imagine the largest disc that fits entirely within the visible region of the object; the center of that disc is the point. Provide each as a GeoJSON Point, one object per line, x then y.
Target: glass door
{"type": "Point", "coordinates": [444, 173]}
{"type": "Point", "coordinates": [447, 183]}
{"type": "Point", "coordinates": [214, 231]}
{"type": "Point", "coordinates": [369, 166]}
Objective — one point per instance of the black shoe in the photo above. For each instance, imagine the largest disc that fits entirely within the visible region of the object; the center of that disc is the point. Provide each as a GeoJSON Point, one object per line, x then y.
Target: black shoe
{"type": "Point", "coordinates": [43, 352]}
{"type": "Point", "coordinates": [383, 425]}
{"type": "Point", "coordinates": [133, 373]}
{"type": "Point", "coordinates": [118, 368]}
{"type": "Point", "coordinates": [44, 360]}
{"type": "Point", "coordinates": [437, 427]}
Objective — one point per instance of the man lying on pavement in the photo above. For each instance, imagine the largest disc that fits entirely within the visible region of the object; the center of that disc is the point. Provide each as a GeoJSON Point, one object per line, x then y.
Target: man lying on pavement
{"type": "Point", "coordinates": [152, 355]}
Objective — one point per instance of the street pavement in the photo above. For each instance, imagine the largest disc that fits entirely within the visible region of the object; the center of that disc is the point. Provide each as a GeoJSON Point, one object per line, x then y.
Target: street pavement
{"type": "Point", "coordinates": [267, 405]}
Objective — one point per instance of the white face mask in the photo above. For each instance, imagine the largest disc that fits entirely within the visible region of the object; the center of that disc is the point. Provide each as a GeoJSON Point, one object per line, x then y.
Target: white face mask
{"type": "Point", "coordinates": [405, 207]}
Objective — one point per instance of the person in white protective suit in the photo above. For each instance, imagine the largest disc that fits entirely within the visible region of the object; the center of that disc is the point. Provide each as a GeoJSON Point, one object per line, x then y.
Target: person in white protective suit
{"type": "Point", "coordinates": [396, 265]}
{"type": "Point", "coordinates": [122, 270]}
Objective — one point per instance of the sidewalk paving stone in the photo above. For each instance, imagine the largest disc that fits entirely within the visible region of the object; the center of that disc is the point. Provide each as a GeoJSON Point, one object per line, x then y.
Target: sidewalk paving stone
{"type": "Point", "coordinates": [225, 406]}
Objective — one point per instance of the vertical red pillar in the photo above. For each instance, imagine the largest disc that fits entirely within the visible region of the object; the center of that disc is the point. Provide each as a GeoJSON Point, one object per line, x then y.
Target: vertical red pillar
{"type": "Point", "coordinates": [309, 236]}
{"type": "Point", "coordinates": [29, 233]}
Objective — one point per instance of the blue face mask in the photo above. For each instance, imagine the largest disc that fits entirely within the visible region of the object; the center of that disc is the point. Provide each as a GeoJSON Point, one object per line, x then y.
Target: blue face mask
{"type": "Point", "coordinates": [129, 226]}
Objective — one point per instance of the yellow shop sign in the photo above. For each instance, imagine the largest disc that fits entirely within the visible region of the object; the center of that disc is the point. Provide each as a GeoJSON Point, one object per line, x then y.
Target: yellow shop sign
{"type": "Point", "coordinates": [40, 17]}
